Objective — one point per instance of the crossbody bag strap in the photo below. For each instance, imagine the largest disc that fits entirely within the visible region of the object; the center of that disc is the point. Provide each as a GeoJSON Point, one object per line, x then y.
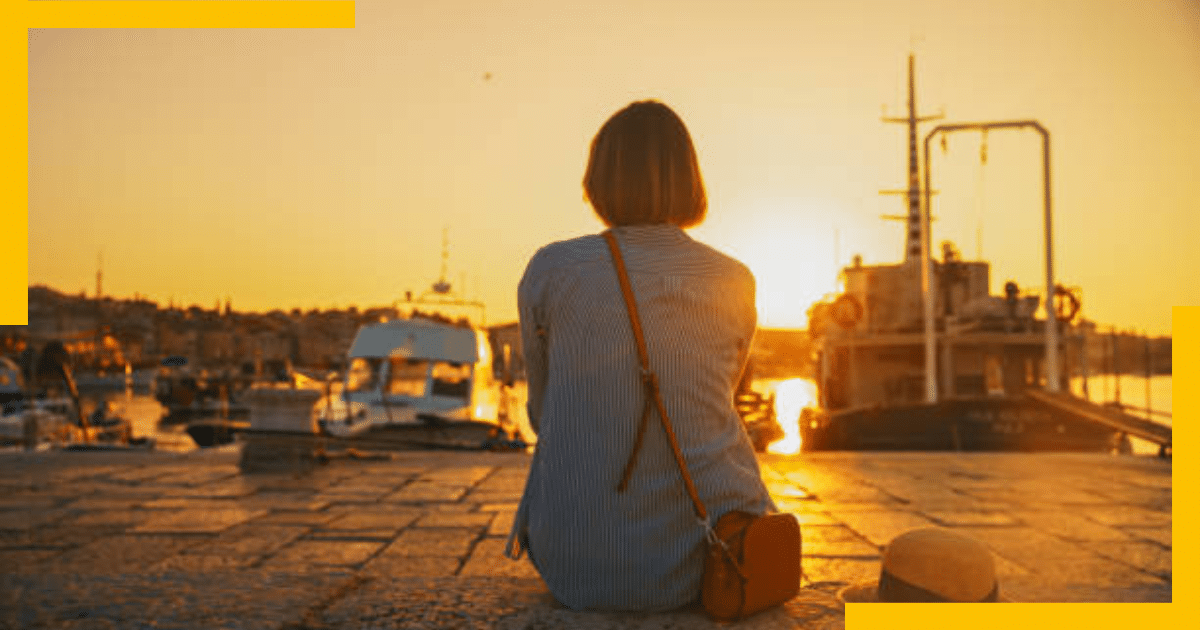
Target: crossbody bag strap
{"type": "Point", "coordinates": [650, 380]}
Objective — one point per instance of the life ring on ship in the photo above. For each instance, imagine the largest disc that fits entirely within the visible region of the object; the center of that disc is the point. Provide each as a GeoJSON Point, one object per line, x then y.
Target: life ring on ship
{"type": "Point", "coordinates": [1066, 304]}
{"type": "Point", "coordinates": [846, 310]}
{"type": "Point", "coordinates": [818, 318]}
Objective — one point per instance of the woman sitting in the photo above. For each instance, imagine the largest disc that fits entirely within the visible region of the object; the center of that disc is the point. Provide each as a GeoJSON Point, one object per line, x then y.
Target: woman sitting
{"type": "Point", "coordinates": [640, 547]}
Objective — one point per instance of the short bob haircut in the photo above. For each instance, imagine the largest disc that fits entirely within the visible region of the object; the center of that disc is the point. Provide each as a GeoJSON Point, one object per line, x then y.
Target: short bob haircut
{"type": "Point", "coordinates": [643, 170]}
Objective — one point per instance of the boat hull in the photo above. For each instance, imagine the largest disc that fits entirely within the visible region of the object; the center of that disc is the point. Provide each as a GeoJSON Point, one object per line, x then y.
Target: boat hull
{"type": "Point", "coordinates": [215, 432]}
{"type": "Point", "coordinates": [982, 424]}
{"type": "Point", "coordinates": [462, 434]}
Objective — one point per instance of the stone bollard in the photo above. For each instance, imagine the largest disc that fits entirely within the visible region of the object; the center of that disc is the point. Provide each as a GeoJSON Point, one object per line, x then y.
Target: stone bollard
{"type": "Point", "coordinates": [282, 430]}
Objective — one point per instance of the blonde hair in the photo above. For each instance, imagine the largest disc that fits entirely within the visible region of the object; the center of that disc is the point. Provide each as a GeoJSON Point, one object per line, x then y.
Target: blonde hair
{"type": "Point", "coordinates": [642, 169]}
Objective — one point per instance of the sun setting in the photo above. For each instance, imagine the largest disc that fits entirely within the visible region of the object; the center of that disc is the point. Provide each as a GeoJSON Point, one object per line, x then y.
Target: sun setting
{"type": "Point", "coordinates": [793, 267]}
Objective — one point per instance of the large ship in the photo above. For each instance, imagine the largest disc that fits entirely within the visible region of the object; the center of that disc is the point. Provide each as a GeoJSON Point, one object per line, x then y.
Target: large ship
{"type": "Point", "coordinates": [961, 370]}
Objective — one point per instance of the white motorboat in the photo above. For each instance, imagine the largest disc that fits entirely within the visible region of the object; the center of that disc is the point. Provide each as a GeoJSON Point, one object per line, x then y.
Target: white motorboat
{"type": "Point", "coordinates": [12, 384]}
{"type": "Point", "coordinates": [41, 421]}
{"type": "Point", "coordinates": [415, 372]}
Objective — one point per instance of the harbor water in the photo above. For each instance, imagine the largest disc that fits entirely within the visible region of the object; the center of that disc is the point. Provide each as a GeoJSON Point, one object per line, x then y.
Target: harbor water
{"type": "Point", "coordinates": [791, 395]}
{"type": "Point", "coordinates": [1137, 393]}
{"type": "Point", "coordinates": [145, 415]}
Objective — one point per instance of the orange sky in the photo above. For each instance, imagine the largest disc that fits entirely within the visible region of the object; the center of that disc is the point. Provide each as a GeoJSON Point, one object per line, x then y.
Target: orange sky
{"type": "Point", "coordinates": [318, 168]}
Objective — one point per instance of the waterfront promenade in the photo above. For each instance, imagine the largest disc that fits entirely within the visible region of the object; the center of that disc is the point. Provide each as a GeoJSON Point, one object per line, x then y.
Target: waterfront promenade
{"type": "Point", "coordinates": [186, 540]}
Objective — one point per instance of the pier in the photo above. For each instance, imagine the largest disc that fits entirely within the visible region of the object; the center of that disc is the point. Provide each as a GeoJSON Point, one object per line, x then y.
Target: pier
{"type": "Point", "coordinates": [1115, 417]}
{"type": "Point", "coordinates": [413, 539]}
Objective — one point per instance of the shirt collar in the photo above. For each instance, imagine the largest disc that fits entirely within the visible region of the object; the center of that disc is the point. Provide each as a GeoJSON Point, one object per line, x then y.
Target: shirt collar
{"type": "Point", "coordinates": [652, 234]}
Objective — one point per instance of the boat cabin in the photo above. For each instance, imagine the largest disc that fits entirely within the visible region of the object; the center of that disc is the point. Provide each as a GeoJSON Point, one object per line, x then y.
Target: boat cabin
{"type": "Point", "coordinates": [872, 349]}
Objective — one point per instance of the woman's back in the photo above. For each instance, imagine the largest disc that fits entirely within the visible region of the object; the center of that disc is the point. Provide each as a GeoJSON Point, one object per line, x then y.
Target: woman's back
{"type": "Point", "coordinates": [639, 549]}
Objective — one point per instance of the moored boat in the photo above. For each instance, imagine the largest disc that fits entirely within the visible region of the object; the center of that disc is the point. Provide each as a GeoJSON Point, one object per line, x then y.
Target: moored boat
{"type": "Point", "coordinates": [416, 372]}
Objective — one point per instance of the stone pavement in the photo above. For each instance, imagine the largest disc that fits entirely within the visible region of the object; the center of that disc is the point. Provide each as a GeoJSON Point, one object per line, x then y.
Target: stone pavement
{"type": "Point", "coordinates": [170, 540]}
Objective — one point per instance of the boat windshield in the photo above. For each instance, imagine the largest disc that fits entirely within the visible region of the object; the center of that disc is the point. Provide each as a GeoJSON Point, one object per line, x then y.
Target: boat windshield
{"type": "Point", "coordinates": [407, 377]}
{"type": "Point", "coordinates": [363, 375]}
{"type": "Point", "coordinates": [452, 379]}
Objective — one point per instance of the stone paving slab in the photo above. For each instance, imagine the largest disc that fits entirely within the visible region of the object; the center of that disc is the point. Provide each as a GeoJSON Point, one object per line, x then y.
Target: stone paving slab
{"type": "Point", "coordinates": [303, 554]}
{"type": "Point", "coordinates": [838, 571]}
{"type": "Point", "coordinates": [283, 501]}
{"type": "Point", "coordinates": [252, 600]}
{"type": "Point", "coordinates": [393, 564]}
{"type": "Point", "coordinates": [454, 542]}
{"type": "Point", "coordinates": [487, 558]}
{"type": "Point", "coordinates": [1060, 561]}
{"type": "Point", "coordinates": [1068, 525]}
{"type": "Point", "coordinates": [1147, 557]}
{"type": "Point", "coordinates": [502, 524]}
{"type": "Point", "coordinates": [421, 491]}
{"type": "Point", "coordinates": [169, 540]}
{"type": "Point", "coordinates": [1130, 515]}
{"type": "Point", "coordinates": [197, 521]}
{"type": "Point", "coordinates": [298, 517]}
{"type": "Point", "coordinates": [1053, 592]}
{"type": "Point", "coordinates": [1160, 535]}
{"type": "Point", "coordinates": [126, 518]}
{"type": "Point", "coordinates": [224, 489]}
{"type": "Point", "coordinates": [830, 534]}
{"type": "Point", "coordinates": [840, 549]}
{"type": "Point", "coordinates": [956, 518]}
{"type": "Point", "coordinates": [392, 521]}
{"type": "Point", "coordinates": [523, 604]}
{"type": "Point", "coordinates": [56, 536]}
{"type": "Point", "coordinates": [805, 516]}
{"type": "Point", "coordinates": [880, 526]}
{"type": "Point", "coordinates": [117, 554]}
{"type": "Point", "coordinates": [18, 519]}
{"type": "Point", "coordinates": [455, 519]}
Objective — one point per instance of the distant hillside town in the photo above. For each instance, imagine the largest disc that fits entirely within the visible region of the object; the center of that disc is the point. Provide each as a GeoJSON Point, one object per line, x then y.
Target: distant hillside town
{"type": "Point", "coordinates": [108, 333]}
{"type": "Point", "coordinates": [105, 334]}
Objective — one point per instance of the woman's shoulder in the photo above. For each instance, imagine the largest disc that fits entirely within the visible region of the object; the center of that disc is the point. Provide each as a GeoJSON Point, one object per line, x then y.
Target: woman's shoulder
{"type": "Point", "coordinates": [558, 254]}
{"type": "Point", "coordinates": [722, 264]}
{"type": "Point", "coordinates": [561, 257]}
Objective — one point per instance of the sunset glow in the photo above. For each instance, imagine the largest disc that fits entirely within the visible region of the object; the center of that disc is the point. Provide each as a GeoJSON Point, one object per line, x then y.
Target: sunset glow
{"type": "Point", "coordinates": [318, 168]}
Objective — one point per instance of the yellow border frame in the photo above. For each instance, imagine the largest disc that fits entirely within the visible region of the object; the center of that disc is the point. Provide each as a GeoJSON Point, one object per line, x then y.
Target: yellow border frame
{"type": "Point", "coordinates": [340, 14]}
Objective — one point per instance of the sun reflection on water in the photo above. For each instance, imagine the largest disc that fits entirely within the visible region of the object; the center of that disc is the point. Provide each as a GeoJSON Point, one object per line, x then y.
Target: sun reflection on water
{"type": "Point", "coordinates": [791, 396]}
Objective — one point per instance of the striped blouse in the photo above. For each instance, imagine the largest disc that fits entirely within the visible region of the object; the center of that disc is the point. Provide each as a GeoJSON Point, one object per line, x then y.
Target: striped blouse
{"type": "Point", "coordinates": [641, 549]}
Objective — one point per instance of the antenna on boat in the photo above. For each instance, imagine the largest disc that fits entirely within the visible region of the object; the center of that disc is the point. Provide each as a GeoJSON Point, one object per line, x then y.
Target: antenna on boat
{"type": "Point", "coordinates": [912, 240]}
{"type": "Point", "coordinates": [442, 286]}
{"type": "Point", "coordinates": [99, 274]}
{"type": "Point", "coordinates": [440, 293]}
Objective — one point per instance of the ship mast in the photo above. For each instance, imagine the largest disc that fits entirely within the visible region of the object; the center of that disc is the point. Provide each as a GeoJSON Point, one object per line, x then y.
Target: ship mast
{"type": "Point", "coordinates": [912, 238]}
